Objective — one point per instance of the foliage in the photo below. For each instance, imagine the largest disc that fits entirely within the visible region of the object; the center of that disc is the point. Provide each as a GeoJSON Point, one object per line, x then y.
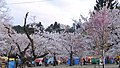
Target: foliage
{"type": "Point", "coordinates": [4, 12]}
{"type": "Point", "coordinates": [18, 29]}
{"type": "Point", "coordinates": [53, 28]}
{"type": "Point", "coordinates": [111, 4]}
{"type": "Point", "coordinates": [99, 32]}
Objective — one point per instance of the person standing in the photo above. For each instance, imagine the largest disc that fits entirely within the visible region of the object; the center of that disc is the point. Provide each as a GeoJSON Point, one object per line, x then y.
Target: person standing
{"type": "Point", "coordinates": [84, 61]}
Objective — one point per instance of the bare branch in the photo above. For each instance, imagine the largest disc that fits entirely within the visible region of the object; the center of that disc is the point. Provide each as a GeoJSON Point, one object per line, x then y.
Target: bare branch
{"type": "Point", "coordinates": [26, 32]}
{"type": "Point", "coordinates": [26, 48]}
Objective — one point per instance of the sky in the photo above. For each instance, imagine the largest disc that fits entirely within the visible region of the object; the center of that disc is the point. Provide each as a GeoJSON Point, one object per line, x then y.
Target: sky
{"type": "Point", "coordinates": [49, 11]}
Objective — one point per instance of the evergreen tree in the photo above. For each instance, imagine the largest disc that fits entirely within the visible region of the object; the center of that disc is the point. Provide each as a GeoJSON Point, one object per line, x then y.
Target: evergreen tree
{"type": "Point", "coordinates": [54, 28]}
{"type": "Point", "coordinates": [18, 29]}
{"type": "Point", "coordinates": [40, 27]}
{"type": "Point", "coordinates": [109, 3]}
{"type": "Point", "coordinates": [49, 29]}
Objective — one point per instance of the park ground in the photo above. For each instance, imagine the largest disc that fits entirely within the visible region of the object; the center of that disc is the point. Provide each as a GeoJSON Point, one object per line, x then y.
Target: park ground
{"type": "Point", "coordinates": [79, 66]}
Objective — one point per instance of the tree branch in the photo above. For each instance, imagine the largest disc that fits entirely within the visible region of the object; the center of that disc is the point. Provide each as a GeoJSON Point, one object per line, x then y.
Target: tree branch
{"type": "Point", "coordinates": [26, 32]}
{"type": "Point", "coordinates": [13, 39]}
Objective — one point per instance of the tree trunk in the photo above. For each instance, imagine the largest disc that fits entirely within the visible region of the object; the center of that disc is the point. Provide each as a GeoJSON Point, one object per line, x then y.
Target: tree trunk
{"type": "Point", "coordinates": [55, 61]}
{"type": "Point", "coordinates": [30, 39]}
{"type": "Point", "coordinates": [71, 58]}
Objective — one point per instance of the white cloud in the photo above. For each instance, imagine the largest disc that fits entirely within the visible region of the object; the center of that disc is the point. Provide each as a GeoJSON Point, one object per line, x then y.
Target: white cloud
{"type": "Point", "coordinates": [50, 11]}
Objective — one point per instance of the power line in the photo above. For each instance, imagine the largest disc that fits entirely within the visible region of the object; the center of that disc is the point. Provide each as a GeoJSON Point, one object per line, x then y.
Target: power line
{"type": "Point", "coordinates": [27, 2]}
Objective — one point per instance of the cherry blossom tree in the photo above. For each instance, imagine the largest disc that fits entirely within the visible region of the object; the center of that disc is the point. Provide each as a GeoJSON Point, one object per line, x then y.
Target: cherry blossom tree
{"type": "Point", "coordinates": [4, 12]}
{"type": "Point", "coordinates": [114, 27]}
{"type": "Point", "coordinates": [5, 40]}
{"type": "Point", "coordinates": [103, 30]}
{"type": "Point", "coordinates": [98, 31]}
